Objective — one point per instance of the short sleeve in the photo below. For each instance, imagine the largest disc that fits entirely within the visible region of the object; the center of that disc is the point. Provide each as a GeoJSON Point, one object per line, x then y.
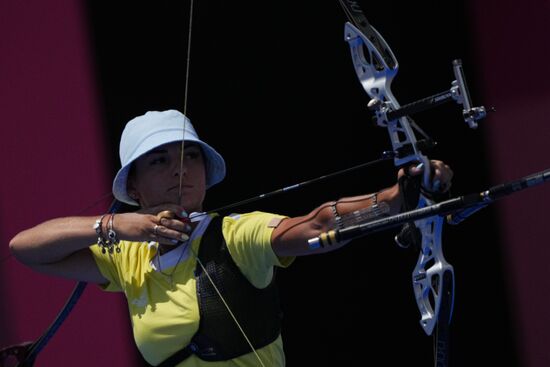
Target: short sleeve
{"type": "Point", "coordinates": [107, 267]}
{"type": "Point", "coordinates": [248, 238]}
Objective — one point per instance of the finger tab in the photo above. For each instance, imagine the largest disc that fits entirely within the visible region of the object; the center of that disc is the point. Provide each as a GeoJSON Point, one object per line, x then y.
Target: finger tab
{"type": "Point", "coordinates": [168, 214]}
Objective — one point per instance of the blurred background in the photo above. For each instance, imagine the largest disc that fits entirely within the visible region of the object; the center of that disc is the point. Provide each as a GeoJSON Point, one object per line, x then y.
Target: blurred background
{"type": "Point", "coordinates": [272, 88]}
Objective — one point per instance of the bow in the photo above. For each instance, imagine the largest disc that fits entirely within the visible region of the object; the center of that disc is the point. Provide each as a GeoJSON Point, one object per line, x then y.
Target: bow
{"type": "Point", "coordinates": [376, 66]}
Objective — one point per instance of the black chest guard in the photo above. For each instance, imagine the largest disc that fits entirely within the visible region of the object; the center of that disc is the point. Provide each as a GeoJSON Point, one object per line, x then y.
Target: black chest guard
{"type": "Point", "coordinates": [258, 311]}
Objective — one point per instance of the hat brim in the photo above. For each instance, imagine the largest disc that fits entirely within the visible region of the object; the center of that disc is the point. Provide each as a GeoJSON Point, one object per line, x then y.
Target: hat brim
{"type": "Point", "coordinates": [214, 165]}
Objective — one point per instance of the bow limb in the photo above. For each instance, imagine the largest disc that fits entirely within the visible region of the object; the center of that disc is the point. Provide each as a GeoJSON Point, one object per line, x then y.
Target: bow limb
{"type": "Point", "coordinates": [433, 276]}
{"type": "Point", "coordinates": [31, 350]}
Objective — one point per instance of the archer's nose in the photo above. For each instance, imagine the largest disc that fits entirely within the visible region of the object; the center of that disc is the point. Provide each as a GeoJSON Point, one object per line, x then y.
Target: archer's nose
{"type": "Point", "coordinates": [179, 169]}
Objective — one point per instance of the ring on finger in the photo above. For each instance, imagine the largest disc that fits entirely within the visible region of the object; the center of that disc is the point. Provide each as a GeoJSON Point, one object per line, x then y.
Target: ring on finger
{"type": "Point", "coordinates": [155, 229]}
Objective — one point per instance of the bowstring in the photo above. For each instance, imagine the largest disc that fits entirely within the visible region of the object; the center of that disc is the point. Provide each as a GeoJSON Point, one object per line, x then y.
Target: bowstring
{"type": "Point", "coordinates": [182, 157]}
{"type": "Point", "coordinates": [186, 93]}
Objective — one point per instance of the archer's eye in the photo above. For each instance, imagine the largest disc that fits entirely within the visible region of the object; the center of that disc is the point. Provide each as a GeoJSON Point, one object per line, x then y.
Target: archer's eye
{"type": "Point", "coordinates": [157, 161]}
{"type": "Point", "coordinates": [192, 154]}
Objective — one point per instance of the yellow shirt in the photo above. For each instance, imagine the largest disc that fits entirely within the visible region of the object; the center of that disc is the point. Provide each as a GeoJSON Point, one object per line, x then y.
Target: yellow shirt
{"type": "Point", "coordinates": [161, 293]}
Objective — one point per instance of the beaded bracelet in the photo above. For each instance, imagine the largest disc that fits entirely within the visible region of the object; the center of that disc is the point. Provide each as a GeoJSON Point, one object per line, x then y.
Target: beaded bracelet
{"type": "Point", "coordinates": [112, 240]}
{"type": "Point", "coordinates": [109, 242]}
{"type": "Point", "coordinates": [98, 227]}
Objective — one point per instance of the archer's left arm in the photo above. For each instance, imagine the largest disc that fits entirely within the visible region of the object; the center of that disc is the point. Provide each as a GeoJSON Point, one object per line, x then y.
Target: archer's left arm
{"type": "Point", "coordinates": [290, 237]}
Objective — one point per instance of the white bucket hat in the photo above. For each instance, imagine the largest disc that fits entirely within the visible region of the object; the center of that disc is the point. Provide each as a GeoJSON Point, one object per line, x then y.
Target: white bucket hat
{"type": "Point", "coordinates": [152, 130]}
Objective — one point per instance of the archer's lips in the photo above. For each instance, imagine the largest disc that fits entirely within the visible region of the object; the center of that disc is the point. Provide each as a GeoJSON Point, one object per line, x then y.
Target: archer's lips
{"type": "Point", "coordinates": [177, 188]}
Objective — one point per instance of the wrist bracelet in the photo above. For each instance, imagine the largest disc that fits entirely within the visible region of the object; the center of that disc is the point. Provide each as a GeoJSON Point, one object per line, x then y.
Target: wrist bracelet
{"type": "Point", "coordinates": [337, 217]}
{"type": "Point", "coordinates": [106, 243]}
{"type": "Point", "coordinates": [112, 240]}
{"type": "Point", "coordinates": [98, 227]}
{"type": "Point", "coordinates": [374, 198]}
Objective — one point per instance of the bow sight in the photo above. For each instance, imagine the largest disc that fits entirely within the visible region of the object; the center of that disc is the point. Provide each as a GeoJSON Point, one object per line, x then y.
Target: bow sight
{"type": "Point", "coordinates": [458, 92]}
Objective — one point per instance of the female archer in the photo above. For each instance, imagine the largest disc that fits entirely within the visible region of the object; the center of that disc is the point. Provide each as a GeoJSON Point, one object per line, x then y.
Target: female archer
{"type": "Point", "coordinates": [200, 286]}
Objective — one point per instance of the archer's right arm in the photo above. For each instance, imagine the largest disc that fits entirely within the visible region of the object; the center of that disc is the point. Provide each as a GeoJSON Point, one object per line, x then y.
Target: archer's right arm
{"type": "Point", "coordinates": [60, 246]}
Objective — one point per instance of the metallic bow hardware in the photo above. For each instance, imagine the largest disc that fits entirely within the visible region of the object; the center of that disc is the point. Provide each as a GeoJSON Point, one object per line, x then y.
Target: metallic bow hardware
{"type": "Point", "coordinates": [376, 65]}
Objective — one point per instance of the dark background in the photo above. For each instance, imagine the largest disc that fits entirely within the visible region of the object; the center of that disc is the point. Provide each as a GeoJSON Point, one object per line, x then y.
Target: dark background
{"type": "Point", "coordinates": [272, 88]}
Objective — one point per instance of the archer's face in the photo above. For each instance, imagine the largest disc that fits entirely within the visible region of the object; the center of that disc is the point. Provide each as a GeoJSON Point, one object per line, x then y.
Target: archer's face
{"type": "Point", "coordinates": [156, 177]}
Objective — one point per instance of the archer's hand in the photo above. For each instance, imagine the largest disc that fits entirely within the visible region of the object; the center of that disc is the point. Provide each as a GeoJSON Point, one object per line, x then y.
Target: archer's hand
{"type": "Point", "coordinates": [166, 224]}
{"type": "Point", "coordinates": [441, 175]}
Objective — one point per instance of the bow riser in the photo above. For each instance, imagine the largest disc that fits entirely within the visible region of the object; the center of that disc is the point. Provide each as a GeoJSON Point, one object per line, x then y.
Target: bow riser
{"type": "Point", "coordinates": [376, 76]}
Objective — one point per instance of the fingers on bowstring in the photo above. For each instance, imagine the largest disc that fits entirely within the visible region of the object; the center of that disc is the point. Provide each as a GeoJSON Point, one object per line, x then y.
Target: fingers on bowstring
{"type": "Point", "coordinates": [171, 226]}
{"type": "Point", "coordinates": [167, 235]}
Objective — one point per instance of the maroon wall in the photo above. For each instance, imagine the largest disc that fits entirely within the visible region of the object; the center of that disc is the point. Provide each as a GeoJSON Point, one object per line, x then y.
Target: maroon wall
{"type": "Point", "coordinates": [513, 50]}
{"type": "Point", "coordinates": [51, 138]}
